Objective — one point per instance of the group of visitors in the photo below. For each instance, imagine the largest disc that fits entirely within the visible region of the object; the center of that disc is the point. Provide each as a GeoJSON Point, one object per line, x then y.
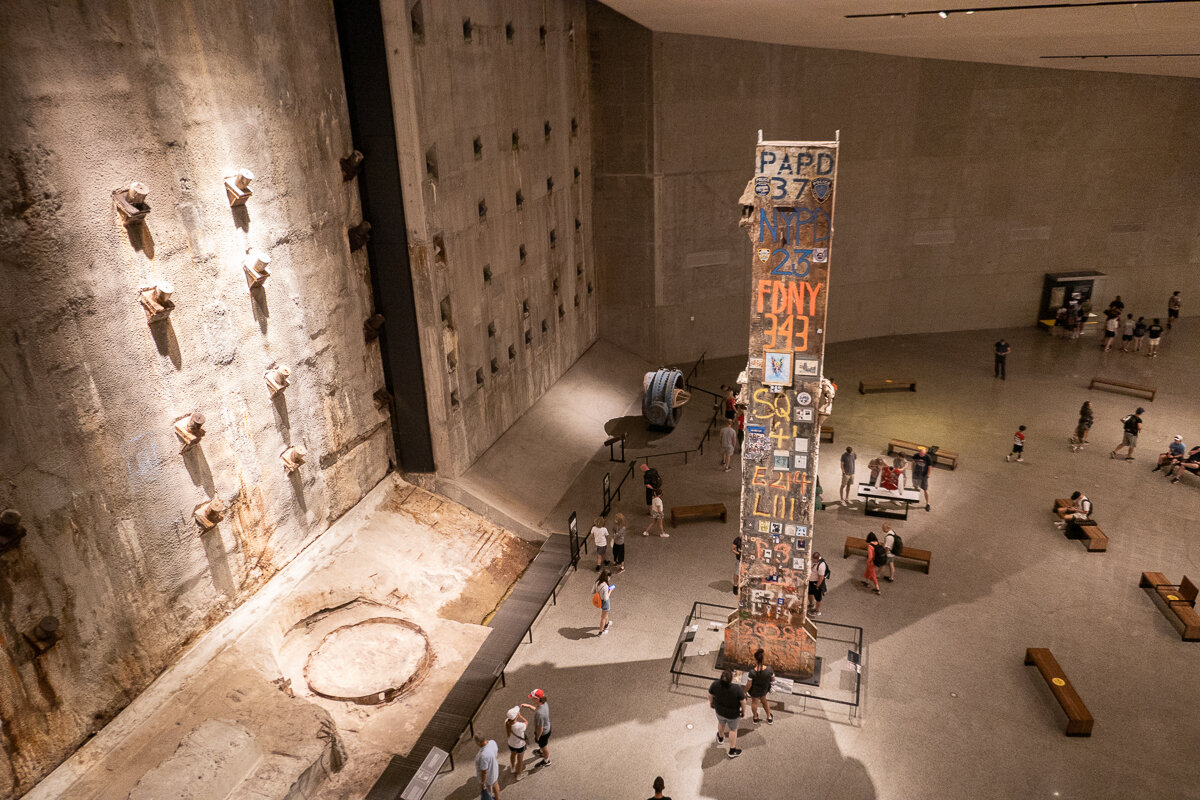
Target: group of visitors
{"type": "Point", "coordinates": [889, 475]}
{"type": "Point", "coordinates": [1074, 314]}
{"type": "Point", "coordinates": [1178, 459]}
{"type": "Point", "coordinates": [728, 700]}
{"type": "Point", "coordinates": [881, 554]}
{"type": "Point", "coordinates": [516, 729]}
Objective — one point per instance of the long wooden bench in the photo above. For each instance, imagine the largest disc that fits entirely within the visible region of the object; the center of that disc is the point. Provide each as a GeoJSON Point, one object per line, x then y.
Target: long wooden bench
{"type": "Point", "coordinates": [940, 456]}
{"type": "Point", "coordinates": [1179, 598]}
{"type": "Point", "coordinates": [1079, 719]}
{"type": "Point", "coordinates": [692, 513]}
{"type": "Point", "coordinates": [1133, 387]}
{"type": "Point", "coordinates": [827, 433]}
{"type": "Point", "coordinates": [856, 545]}
{"type": "Point", "coordinates": [886, 385]}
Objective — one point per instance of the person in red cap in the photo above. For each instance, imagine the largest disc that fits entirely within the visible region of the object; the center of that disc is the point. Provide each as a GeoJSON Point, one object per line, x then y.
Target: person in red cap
{"type": "Point", "coordinates": [541, 725]}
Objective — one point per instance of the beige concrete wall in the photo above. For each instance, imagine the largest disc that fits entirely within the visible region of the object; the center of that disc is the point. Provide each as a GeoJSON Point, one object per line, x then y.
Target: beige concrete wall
{"type": "Point", "coordinates": [961, 184]}
{"type": "Point", "coordinates": [448, 92]}
{"type": "Point", "coordinates": [175, 95]}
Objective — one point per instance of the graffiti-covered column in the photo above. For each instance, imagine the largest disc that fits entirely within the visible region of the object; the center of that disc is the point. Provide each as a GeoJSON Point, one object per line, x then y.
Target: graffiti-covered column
{"type": "Point", "coordinates": [789, 215]}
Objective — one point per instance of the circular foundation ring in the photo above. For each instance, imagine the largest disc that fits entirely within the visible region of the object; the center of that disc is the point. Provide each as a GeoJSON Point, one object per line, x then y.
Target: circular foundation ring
{"type": "Point", "coordinates": [369, 662]}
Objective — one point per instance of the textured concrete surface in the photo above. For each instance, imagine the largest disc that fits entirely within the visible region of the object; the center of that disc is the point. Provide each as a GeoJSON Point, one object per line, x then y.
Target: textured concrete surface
{"type": "Point", "coordinates": [948, 708]}
{"type": "Point", "coordinates": [209, 764]}
{"type": "Point", "coordinates": [492, 346]}
{"type": "Point", "coordinates": [960, 184]}
{"type": "Point", "coordinates": [176, 95]}
{"type": "Point", "coordinates": [402, 554]}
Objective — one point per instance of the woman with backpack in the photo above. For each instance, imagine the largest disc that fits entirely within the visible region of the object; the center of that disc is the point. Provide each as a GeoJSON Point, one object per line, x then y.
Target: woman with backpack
{"type": "Point", "coordinates": [758, 683]}
{"type": "Point", "coordinates": [876, 557]}
{"type": "Point", "coordinates": [601, 596]}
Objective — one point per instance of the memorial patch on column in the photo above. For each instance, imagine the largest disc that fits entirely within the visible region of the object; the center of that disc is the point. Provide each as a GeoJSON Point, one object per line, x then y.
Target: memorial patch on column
{"type": "Point", "coordinates": [789, 219]}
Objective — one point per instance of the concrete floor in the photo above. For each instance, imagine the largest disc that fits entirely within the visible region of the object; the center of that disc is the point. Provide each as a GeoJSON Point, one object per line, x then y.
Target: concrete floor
{"type": "Point", "coordinates": [948, 709]}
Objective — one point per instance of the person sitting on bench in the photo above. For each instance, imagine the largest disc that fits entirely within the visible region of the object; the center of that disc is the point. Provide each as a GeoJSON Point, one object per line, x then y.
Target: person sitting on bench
{"type": "Point", "coordinates": [1079, 510]}
{"type": "Point", "coordinates": [1190, 462]}
{"type": "Point", "coordinates": [1173, 456]}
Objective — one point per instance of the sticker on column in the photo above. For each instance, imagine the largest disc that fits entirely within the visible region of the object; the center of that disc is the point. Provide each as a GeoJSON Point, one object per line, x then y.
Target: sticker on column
{"type": "Point", "coordinates": [776, 527]}
{"type": "Point", "coordinates": [821, 255]}
{"type": "Point", "coordinates": [803, 399]}
{"type": "Point", "coordinates": [801, 444]}
{"type": "Point", "coordinates": [798, 563]}
{"type": "Point", "coordinates": [801, 460]}
{"type": "Point", "coordinates": [764, 526]}
{"type": "Point", "coordinates": [782, 461]}
{"type": "Point", "coordinates": [804, 415]}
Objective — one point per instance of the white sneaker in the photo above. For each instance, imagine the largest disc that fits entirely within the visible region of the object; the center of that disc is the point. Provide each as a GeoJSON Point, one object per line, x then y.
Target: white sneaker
{"type": "Point", "coordinates": [645, 533]}
{"type": "Point", "coordinates": [665, 535]}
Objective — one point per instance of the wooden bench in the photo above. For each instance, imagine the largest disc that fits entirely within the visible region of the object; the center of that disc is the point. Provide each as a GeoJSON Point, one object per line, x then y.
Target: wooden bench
{"type": "Point", "coordinates": [1179, 598]}
{"type": "Point", "coordinates": [947, 457]}
{"type": "Point", "coordinates": [827, 433]}
{"type": "Point", "coordinates": [855, 545]}
{"type": "Point", "coordinates": [1133, 387]}
{"type": "Point", "coordinates": [1079, 719]}
{"type": "Point", "coordinates": [886, 385]}
{"type": "Point", "coordinates": [1089, 533]}
{"type": "Point", "coordinates": [691, 513]}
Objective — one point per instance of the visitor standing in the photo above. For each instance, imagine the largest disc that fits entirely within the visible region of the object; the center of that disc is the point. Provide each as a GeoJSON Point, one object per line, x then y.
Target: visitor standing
{"type": "Point", "coordinates": [1111, 325]}
{"type": "Point", "coordinates": [1132, 426]}
{"type": "Point", "coordinates": [515, 726]}
{"type": "Point", "coordinates": [1155, 332]}
{"type": "Point", "coordinates": [758, 684]}
{"type": "Point", "coordinates": [889, 544]}
{"type": "Point", "coordinates": [1139, 334]}
{"type": "Point", "coordinates": [600, 538]}
{"type": "Point", "coordinates": [487, 768]}
{"type": "Point", "coordinates": [604, 590]}
{"type": "Point", "coordinates": [652, 481]}
{"type": "Point", "coordinates": [620, 528]}
{"type": "Point", "coordinates": [921, 464]}
{"type": "Point", "coordinates": [656, 516]}
{"type": "Point", "coordinates": [541, 724]}
{"type": "Point", "coordinates": [848, 462]}
{"type": "Point", "coordinates": [737, 562]}
{"type": "Point", "coordinates": [1018, 448]}
{"type": "Point", "coordinates": [874, 561]}
{"type": "Point", "coordinates": [1086, 417]}
{"type": "Point", "coordinates": [659, 787]}
{"type": "Point", "coordinates": [728, 700]}
{"type": "Point", "coordinates": [817, 584]}
{"type": "Point", "coordinates": [1127, 333]}
{"type": "Point", "coordinates": [728, 444]}
{"type": "Point", "coordinates": [1002, 349]}
{"type": "Point", "coordinates": [1174, 302]}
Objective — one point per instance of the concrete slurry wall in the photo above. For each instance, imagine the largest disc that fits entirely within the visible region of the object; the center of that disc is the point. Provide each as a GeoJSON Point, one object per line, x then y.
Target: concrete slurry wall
{"type": "Point", "coordinates": [176, 95]}
{"type": "Point", "coordinates": [465, 74]}
{"type": "Point", "coordinates": [961, 184]}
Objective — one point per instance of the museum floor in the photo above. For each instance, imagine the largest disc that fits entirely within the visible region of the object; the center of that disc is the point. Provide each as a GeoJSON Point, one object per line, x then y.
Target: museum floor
{"type": "Point", "coordinates": [948, 710]}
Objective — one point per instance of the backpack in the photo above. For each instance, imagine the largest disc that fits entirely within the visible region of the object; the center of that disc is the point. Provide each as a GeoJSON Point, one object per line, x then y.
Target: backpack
{"type": "Point", "coordinates": [828, 572]}
{"type": "Point", "coordinates": [1130, 425]}
{"type": "Point", "coordinates": [897, 543]}
{"type": "Point", "coordinates": [879, 554]}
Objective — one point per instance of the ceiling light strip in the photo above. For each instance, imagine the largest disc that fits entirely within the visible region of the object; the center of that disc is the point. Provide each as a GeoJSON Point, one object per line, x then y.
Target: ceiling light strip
{"type": "Point", "coordinates": [945, 12]}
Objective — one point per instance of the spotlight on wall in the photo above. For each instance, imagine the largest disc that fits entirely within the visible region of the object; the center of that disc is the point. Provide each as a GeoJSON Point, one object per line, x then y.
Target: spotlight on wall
{"type": "Point", "coordinates": [359, 235]}
{"type": "Point", "coordinates": [351, 165]}
{"type": "Point", "coordinates": [372, 326]}
{"type": "Point", "coordinates": [11, 529]}
{"type": "Point", "coordinates": [156, 301]}
{"type": "Point", "coordinates": [190, 430]}
{"type": "Point", "coordinates": [943, 14]}
{"type": "Point", "coordinates": [257, 266]}
{"type": "Point", "coordinates": [131, 203]}
{"type": "Point", "coordinates": [209, 514]}
{"type": "Point", "coordinates": [44, 635]}
{"type": "Point", "coordinates": [277, 379]}
{"type": "Point", "coordinates": [292, 458]}
{"type": "Point", "coordinates": [238, 187]}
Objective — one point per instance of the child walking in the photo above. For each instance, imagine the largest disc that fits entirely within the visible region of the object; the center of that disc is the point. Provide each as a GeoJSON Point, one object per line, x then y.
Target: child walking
{"type": "Point", "coordinates": [1018, 445]}
{"type": "Point", "coordinates": [656, 515]}
{"type": "Point", "coordinates": [618, 541]}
